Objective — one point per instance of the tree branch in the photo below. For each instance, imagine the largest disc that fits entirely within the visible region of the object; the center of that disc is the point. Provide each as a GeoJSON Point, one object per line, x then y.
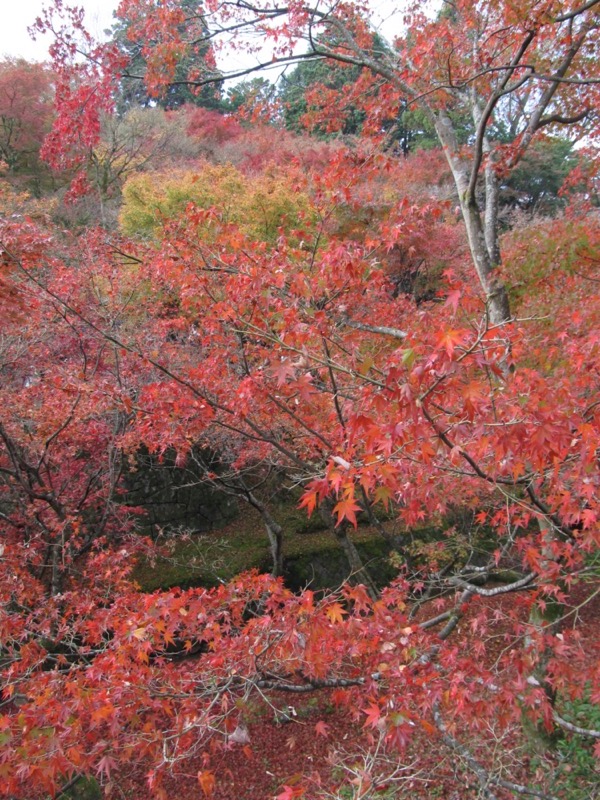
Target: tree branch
{"type": "Point", "coordinates": [510, 587]}
{"type": "Point", "coordinates": [577, 11]}
{"type": "Point", "coordinates": [558, 119]}
{"type": "Point", "coordinates": [489, 109]}
{"type": "Point", "coordinates": [569, 726]}
{"type": "Point", "coordinates": [383, 329]}
{"type": "Point", "coordinates": [483, 775]}
{"type": "Point", "coordinates": [547, 95]}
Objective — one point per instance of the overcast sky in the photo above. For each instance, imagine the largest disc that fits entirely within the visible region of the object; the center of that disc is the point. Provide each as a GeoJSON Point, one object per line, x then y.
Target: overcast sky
{"type": "Point", "coordinates": [20, 14]}
{"type": "Point", "coordinates": [15, 41]}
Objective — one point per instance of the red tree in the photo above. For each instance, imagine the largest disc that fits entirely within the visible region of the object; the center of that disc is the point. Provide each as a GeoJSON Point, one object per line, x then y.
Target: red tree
{"type": "Point", "coordinates": [26, 110]}
{"type": "Point", "coordinates": [303, 354]}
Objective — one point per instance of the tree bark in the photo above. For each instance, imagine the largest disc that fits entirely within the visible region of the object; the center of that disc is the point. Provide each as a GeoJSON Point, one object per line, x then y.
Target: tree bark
{"type": "Point", "coordinates": [358, 572]}
{"type": "Point", "coordinates": [274, 532]}
{"type": "Point", "coordinates": [483, 248]}
{"type": "Point", "coordinates": [545, 617]}
{"type": "Point", "coordinates": [492, 200]}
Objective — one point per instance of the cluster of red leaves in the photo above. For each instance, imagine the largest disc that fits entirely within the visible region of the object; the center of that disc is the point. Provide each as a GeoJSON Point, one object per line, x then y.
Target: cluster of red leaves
{"type": "Point", "coordinates": [299, 355]}
{"type": "Point", "coordinates": [26, 109]}
{"type": "Point", "coordinates": [279, 354]}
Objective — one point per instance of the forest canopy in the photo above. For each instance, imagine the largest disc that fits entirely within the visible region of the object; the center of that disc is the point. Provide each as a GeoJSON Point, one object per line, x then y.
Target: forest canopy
{"type": "Point", "coordinates": [334, 339]}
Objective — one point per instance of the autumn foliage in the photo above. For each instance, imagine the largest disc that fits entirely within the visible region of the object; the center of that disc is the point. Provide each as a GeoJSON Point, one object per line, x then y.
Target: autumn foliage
{"type": "Point", "coordinates": [26, 111]}
{"type": "Point", "coordinates": [362, 327]}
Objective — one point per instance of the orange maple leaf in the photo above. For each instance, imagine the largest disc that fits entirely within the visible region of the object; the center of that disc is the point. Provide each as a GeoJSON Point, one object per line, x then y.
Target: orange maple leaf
{"type": "Point", "coordinates": [335, 612]}
{"type": "Point", "coordinates": [207, 781]}
{"type": "Point", "coordinates": [346, 509]}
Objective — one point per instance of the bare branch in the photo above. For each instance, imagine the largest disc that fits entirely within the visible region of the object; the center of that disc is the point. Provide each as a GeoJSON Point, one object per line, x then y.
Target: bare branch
{"type": "Point", "coordinates": [486, 779]}
{"type": "Point", "coordinates": [311, 686]}
{"type": "Point", "coordinates": [569, 726]}
{"type": "Point", "coordinates": [510, 587]}
{"type": "Point", "coordinates": [573, 81]}
{"type": "Point", "coordinates": [548, 94]}
{"type": "Point", "coordinates": [383, 329]}
{"type": "Point", "coordinates": [489, 109]}
{"type": "Point", "coordinates": [577, 11]}
{"type": "Point", "coordinates": [482, 774]}
{"type": "Point", "coordinates": [558, 119]}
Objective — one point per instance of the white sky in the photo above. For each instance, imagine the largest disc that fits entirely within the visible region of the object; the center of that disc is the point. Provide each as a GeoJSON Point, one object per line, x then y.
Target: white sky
{"type": "Point", "coordinates": [18, 15]}
{"type": "Point", "coordinates": [16, 42]}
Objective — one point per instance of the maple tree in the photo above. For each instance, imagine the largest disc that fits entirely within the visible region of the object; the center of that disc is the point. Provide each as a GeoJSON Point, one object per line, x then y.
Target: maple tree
{"type": "Point", "coordinates": [308, 351]}
{"type": "Point", "coordinates": [235, 383]}
{"type": "Point", "coordinates": [26, 111]}
{"type": "Point", "coordinates": [488, 64]}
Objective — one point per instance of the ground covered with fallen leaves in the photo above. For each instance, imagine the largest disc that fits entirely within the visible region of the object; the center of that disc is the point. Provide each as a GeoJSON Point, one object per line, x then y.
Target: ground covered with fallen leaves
{"type": "Point", "coordinates": [312, 747]}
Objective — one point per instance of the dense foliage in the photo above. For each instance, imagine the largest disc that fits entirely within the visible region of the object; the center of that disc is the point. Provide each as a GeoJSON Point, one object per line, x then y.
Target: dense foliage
{"type": "Point", "coordinates": [393, 335]}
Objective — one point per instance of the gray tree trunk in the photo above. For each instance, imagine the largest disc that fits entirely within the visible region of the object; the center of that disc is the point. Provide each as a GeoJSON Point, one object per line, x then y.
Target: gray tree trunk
{"type": "Point", "coordinates": [274, 532]}
{"type": "Point", "coordinates": [358, 572]}
{"type": "Point", "coordinates": [483, 239]}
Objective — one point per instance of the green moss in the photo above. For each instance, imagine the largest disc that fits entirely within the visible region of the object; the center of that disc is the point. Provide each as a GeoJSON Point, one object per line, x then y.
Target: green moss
{"type": "Point", "coordinates": [83, 789]}
{"type": "Point", "coordinates": [205, 560]}
{"type": "Point", "coordinates": [578, 773]}
{"type": "Point", "coordinates": [312, 554]}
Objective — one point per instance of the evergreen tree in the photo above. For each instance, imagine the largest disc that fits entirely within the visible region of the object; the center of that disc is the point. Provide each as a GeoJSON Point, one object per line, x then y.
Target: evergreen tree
{"type": "Point", "coordinates": [180, 89]}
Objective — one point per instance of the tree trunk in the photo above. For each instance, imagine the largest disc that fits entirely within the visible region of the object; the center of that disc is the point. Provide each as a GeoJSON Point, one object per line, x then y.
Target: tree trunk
{"type": "Point", "coordinates": [274, 532]}
{"type": "Point", "coordinates": [358, 571]}
{"type": "Point", "coordinates": [495, 291]}
{"type": "Point", "coordinates": [492, 199]}
{"type": "Point", "coordinates": [545, 617]}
